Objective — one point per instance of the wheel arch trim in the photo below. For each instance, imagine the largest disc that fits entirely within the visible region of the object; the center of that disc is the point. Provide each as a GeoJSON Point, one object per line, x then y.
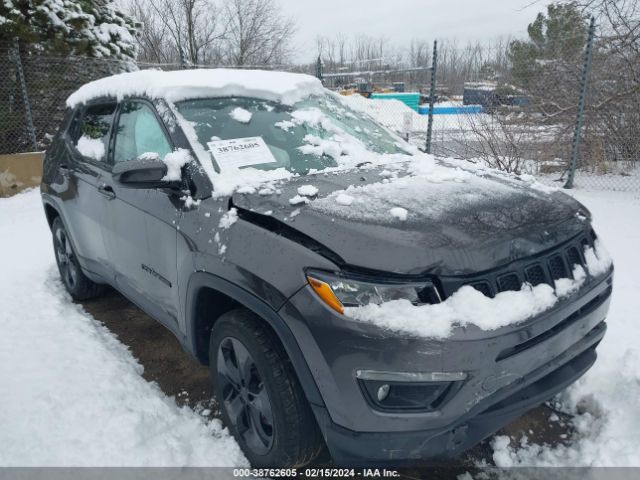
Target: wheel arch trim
{"type": "Point", "coordinates": [200, 280]}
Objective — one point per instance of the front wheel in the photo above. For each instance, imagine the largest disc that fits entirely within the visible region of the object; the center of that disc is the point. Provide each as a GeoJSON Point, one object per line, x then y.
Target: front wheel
{"type": "Point", "coordinates": [77, 284]}
{"type": "Point", "coordinates": [261, 400]}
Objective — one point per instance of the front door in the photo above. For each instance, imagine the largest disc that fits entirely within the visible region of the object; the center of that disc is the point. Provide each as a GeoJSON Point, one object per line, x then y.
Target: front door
{"type": "Point", "coordinates": [141, 231]}
{"type": "Point", "coordinates": [85, 166]}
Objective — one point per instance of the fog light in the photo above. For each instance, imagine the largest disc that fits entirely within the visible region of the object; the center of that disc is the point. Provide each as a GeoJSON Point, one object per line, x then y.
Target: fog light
{"type": "Point", "coordinates": [383, 392]}
{"type": "Point", "coordinates": [423, 396]}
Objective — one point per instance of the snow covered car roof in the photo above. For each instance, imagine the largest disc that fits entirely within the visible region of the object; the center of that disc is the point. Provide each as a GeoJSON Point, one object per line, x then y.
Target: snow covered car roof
{"type": "Point", "coordinates": [283, 87]}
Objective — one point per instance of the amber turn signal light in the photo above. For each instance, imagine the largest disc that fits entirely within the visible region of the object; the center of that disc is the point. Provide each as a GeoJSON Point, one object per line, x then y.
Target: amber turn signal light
{"type": "Point", "coordinates": [326, 294]}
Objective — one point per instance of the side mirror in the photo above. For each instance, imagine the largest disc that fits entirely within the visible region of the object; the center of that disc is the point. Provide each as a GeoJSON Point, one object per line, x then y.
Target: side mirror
{"type": "Point", "coordinates": [142, 173]}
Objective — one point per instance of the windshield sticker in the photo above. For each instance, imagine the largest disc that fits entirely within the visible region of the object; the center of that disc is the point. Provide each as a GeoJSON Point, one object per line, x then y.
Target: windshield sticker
{"type": "Point", "coordinates": [241, 152]}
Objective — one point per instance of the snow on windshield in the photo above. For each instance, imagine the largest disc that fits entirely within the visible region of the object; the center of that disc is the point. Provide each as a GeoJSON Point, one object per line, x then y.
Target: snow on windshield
{"type": "Point", "coordinates": [240, 115]}
{"type": "Point", "coordinates": [315, 134]}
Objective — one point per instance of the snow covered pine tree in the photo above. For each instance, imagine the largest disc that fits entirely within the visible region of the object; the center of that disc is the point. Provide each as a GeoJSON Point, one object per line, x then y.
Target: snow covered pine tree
{"type": "Point", "coordinates": [97, 28]}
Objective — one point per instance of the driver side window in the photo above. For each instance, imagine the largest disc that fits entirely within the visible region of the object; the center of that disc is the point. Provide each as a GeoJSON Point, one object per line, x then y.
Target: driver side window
{"type": "Point", "coordinates": [139, 132]}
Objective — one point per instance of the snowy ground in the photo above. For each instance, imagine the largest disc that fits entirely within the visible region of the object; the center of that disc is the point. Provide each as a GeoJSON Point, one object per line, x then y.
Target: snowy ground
{"type": "Point", "coordinates": [605, 400]}
{"type": "Point", "coordinates": [72, 394]}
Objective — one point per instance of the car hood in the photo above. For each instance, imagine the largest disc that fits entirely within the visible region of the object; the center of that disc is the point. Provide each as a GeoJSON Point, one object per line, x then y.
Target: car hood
{"type": "Point", "coordinates": [437, 218]}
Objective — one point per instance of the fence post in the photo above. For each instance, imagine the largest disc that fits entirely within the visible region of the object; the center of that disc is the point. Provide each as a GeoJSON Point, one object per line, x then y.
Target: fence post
{"type": "Point", "coordinates": [25, 96]}
{"type": "Point", "coordinates": [432, 94]}
{"type": "Point", "coordinates": [319, 68]}
{"type": "Point", "coordinates": [577, 134]}
{"type": "Point", "coordinates": [183, 63]}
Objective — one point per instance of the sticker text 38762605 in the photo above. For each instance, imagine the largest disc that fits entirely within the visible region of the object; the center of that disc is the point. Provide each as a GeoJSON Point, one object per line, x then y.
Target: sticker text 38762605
{"type": "Point", "coordinates": [241, 152]}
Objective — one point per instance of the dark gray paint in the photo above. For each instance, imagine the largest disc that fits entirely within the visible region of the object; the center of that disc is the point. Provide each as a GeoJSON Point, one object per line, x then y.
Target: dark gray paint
{"type": "Point", "coordinates": [263, 269]}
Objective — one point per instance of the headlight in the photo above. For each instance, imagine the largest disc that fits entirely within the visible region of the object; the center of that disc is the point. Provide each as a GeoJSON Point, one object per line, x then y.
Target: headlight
{"type": "Point", "coordinates": [339, 291]}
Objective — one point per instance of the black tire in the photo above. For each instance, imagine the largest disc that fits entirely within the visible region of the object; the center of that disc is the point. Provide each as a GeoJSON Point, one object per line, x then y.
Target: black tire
{"type": "Point", "coordinates": [77, 284]}
{"type": "Point", "coordinates": [295, 438]}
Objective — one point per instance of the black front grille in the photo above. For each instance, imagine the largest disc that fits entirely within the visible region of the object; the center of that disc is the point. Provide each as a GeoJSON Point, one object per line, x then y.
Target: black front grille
{"type": "Point", "coordinates": [557, 268]}
{"type": "Point", "coordinates": [535, 275]}
{"type": "Point", "coordinates": [573, 255]}
{"type": "Point", "coordinates": [483, 287]}
{"type": "Point", "coordinates": [543, 268]}
{"type": "Point", "coordinates": [507, 282]}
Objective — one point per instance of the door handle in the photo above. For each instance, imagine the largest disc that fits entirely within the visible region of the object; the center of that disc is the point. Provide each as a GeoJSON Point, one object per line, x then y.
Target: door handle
{"type": "Point", "coordinates": [107, 191]}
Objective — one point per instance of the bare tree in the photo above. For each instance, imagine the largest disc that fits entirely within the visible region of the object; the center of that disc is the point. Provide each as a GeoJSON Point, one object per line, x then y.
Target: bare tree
{"type": "Point", "coordinates": [152, 37]}
{"type": "Point", "coordinates": [186, 31]}
{"type": "Point", "coordinates": [258, 33]}
{"type": "Point", "coordinates": [613, 108]}
{"type": "Point", "coordinates": [494, 139]}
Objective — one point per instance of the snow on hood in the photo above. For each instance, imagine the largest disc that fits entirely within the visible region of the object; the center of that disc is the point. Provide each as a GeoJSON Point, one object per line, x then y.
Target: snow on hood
{"type": "Point", "coordinates": [174, 86]}
{"type": "Point", "coordinates": [420, 188]}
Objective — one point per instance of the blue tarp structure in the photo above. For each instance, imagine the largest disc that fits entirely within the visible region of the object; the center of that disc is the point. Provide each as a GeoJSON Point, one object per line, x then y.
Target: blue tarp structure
{"type": "Point", "coordinates": [410, 99]}
{"type": "Point", "coordinates": [424, 110]}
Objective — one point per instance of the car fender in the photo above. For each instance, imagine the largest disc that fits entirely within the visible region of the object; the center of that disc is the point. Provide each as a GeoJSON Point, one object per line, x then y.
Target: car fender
{"type": "Point", "coordinates": [199, 280]}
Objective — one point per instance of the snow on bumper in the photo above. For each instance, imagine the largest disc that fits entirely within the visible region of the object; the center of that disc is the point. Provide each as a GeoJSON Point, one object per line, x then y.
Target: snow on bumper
{"type": "Point", "coordinates": [468, 306]}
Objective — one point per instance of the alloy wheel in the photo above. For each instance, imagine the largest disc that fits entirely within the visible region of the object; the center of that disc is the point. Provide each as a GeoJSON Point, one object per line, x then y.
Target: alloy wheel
{"type": "Point", "coordinates": [245, 396]}
{"type": "Point", "coordinates": [66, 259]}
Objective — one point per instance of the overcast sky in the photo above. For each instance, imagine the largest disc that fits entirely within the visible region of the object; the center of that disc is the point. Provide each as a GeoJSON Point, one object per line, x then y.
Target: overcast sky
{"type": "Point", "coordinates": [402, 20]}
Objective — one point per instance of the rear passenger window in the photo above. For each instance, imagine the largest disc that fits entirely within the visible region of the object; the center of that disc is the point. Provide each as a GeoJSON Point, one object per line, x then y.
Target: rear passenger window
{"type": "Point", "coordinates": [91, 135]}
{"type": "Point", "coordinates": [139, 132]}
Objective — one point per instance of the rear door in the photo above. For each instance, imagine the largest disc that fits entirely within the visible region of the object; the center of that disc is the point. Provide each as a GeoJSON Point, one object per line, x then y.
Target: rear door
{"type": "Point", "coordinates": [85, 165]}
{"type": "Point", "coordinates": [141, 228]}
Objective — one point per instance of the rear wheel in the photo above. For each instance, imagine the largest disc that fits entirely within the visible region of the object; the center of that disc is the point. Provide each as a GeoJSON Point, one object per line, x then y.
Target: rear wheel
{"type": "Point", "coordinates": [76, 282]}
{"type": "Point", "coordinates": [261, 400]}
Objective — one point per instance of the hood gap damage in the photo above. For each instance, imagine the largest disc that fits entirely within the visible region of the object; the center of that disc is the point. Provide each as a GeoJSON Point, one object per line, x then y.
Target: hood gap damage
{"type": "Point", "coordinates": [280, 228]}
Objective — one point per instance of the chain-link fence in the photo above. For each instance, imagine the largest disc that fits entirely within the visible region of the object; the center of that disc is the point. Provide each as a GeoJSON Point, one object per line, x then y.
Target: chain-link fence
{"type": "Point", "coordinates": [35, 86]}
{"type": "Point", "coordinates": [33, 90]}
{"type": "Point", "coordinates": [573, 119]}
{"type": "Point", "coordinates": [481, 104]}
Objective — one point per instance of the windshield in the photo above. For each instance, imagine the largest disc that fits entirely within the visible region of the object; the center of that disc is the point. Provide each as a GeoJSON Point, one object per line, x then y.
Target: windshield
{"type": "Point", "coordinates": [311, 135]}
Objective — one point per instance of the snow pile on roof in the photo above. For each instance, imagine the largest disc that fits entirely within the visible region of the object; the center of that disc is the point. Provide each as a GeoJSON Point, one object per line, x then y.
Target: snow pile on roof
{"type": "Point", "coordinates": [287, 88]}
{"type": "Point", "coordinates": [73, 395]}
{"type": "Point", "coordinates": [469, 306]}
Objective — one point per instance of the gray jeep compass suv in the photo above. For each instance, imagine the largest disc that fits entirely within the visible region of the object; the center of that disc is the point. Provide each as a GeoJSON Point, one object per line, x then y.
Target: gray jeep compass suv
{"type": "Point", "coordinates": [345, 289]}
